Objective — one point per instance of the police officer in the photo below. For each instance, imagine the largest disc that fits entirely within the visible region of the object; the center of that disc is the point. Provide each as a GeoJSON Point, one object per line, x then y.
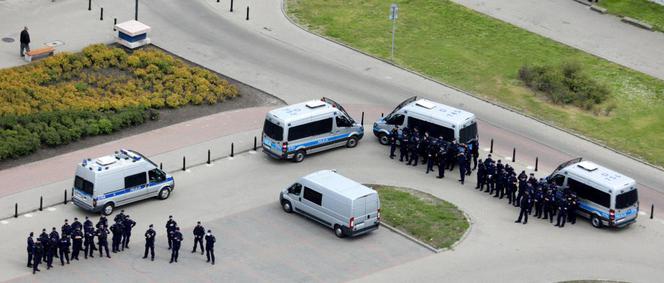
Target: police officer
{"type": "Point", "coordinates": [177, 241]}
{"type": "Point", "coordinates": [490, 175]}
{"type": "Point", "coordinates": [199, 233]}
{"type": "Point", "coordinates": [452, 151]}
{"type": "Point", "coordinates": [87, 224]}
{"type": "Point", "coordinates": [414, 149]}
{"type": "Point", "coordinates": [128, 225]}
{"type": "Point", "coordinates": [562, 213]}
{"type": "Point", "coordinates": [66, 229]}
{"type": "Point", "coordinates": [424, 145]}
{"type": "Point", "coordinates": [170, 229]}
{"type": "Point", "coordinates": [475, 151]}
{"type": "Point", "coordinates": [539, 202]}
{"type": "Point", "coordinates": [38, 254]}
{"type": "Point", "coordinates": [31, 248]}
{"type": "Point", "coordinates": [501, 180]}
{"type": "Point", "coordinates": [481, 176]}
{"type": "Point", "coordinates": [117, 229]}
{"type": "Point", "coordinates": [89, 241]}
{"type": "Point", "coordinates": [522, 178]}
{"type": "Point", "coordinates": [511, 188]}
{"type": "Point", "coordinates": [209, 245]}
{"type": "Point", "coordinates": [404, 144]}
{"type": "Point", "coordinates": [467, 153]}
{"type": "Point", "coordinates": [461, 159]}
{"type": "Point", "coordinates": [53, 243]}
{"type": "Point", "coordinates": [571, 210]}
{"type": "Point", "coordinates": [394, 136]}
{"type": "Point", "coordinates": [102, 240]}
{"type": "Point", "coordinates": [149, 242]}
{"type": "Point", "coordinates": [119, 217]}
{"type": "Point", "coordinates": [76, 225]}
{"type": "Point", "coordinates": [77, 242]}
{"type": "Point", "coordinates": [103, 222]}
{"type": "Point", "coordinates": [432, 151]}
{"type": "Point", "coordinates": [64, 249]}
{"type": "Point", "coordinates": [524, 208]}
{"type": "Point", "coordinates": [547, 204]}
{"type": "Point", "coordinates": [51, 249]}
{"type": "Point", "coordinates": [442, 157]}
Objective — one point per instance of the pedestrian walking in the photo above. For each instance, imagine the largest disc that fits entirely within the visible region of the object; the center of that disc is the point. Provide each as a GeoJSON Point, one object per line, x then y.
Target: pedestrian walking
{"type": "Point", "coordinates": [199, 233]}
{"type": "Point", "coordinates": [170, 229]}
{"type": "Point", "coordinates": [25, 41]}
{"type": "Point", "coordinates": [149, 242]}
{"type": "Point", "coordinates": [209, 246]}
{"type": "Point", "coordinates": [177, 241]}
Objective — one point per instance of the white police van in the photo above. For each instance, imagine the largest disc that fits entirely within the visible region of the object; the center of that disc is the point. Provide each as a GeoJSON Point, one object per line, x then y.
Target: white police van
{"type": "Point", "coordinates": [604, 196]}
{"type": "Point", "coordinates": [427, 116]}
{"type": "Point", "coordinates": [346, 206]}
{"type": "Point", "coordinates": [110, 181]}
{"type": "Point", "coordinates": [294, 131]}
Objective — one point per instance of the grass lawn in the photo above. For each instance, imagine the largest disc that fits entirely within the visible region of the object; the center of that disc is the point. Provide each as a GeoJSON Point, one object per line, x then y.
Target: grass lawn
{"type": "Point", "coordinates": [480, 54]}
{"type": "Point", "coordinates": [643, 10]}
{"type": "Point", "coordinates": [427, 218]}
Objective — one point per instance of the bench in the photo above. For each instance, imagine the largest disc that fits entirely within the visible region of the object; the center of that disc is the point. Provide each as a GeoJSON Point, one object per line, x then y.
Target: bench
{"type": "Point", "coordinates": [39, 53]}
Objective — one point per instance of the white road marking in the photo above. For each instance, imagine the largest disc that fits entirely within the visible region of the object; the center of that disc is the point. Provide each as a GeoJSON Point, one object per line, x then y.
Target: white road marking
{"type": "Point", "coordinates": [486, 149]}
{"type": "Point", "coordinates": [230, 158]}
{"type": "Point", "coordinates": [51, 209]}
{"type": "Point", "coordinates": [4, 222]}
{"type": "Point", "coordinates": [252, 152]}
{"type": "Point", "coordinates": [530, 167]}
{"type": "Point", "coordinates": [508, 158]}
{"type": "Point", "coordinates": [28, 215]}
{"type": "Point", "coordinates": [642, 213]}
{"type": "Point", "coordinates": [188, 170]}
{"type": "Point", "coordinates": [209, 165]}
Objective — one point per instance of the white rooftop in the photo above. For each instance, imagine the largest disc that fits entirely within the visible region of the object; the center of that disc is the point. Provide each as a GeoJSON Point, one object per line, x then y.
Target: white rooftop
{"type": "Point", "coordinates": [133, 27]}
{"type": "Point", "coordinates": [302, 110]}
{"type": "Point", "coordinates": [106, 163]}
{"type": "Point", "coordinates": [339, 184]}
{"type": "Point", "coordinates": [601, 175]}
{"type": "Point", "coordinates": [439, 111]}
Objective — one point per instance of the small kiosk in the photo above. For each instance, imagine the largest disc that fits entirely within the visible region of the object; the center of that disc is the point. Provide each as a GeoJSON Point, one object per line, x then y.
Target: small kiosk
{"type": "Point", "coordinates": [133, 34]}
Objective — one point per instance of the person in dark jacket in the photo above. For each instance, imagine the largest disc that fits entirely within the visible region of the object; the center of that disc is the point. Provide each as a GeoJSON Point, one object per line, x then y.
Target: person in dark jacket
{"type": "Point", "coordinates": [199, 233]}
{"type": "Point", "coordinates": [102, 240]}
{"type": "Point", "coordinates": [89, 241]}
{"type": "Point", "coordinates": [393, 137]}
{"type": "Point", "coordinates": [524, 208]}
{"type": "Point", "coordinates": [209, 246]}
{"type": "Point", "coordinates": [38, 253]}
{"type": "Point", "coordinates": [170, 229]}
{"type": "Point", "coordinates": [76, 225]}
{"type": "Point", "coordinates": [63, 246]}
{"type": "Point", "coordinates": [149, 242]}
{"type": "Point", "coordinates": [128, 225]}
{"type": "Point", "coordinates": [31, 249]}
{"type": "Point", "coordinates": [177, 241]}
{"type": "Point", "coordinates": [25, 41]}
{"type": "Point", "coordinates": [117, 229]}
{"type": "Point", "coordinates": [77, 243]}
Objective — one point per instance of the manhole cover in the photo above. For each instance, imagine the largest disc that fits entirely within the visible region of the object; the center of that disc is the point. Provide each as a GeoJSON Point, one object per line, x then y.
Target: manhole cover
{"type": "Point", "coordinates": [54, 43]}
{"type": "Point", "coordinates": [7, 39]}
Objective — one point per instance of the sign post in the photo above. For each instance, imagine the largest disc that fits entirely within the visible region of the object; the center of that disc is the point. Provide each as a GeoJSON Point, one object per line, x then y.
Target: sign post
{"type": "Point", "coordinates": [394, 13]}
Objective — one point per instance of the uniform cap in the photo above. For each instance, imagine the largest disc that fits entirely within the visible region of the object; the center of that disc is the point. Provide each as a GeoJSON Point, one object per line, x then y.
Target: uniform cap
{"type": "Point", "coordinates": [209, 231]}
{"type": "Point", "coordinates": [150, 225]}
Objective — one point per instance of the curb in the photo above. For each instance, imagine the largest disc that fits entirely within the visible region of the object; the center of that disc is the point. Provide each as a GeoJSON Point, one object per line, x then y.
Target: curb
{"type": "Point", "coordinates": [627, 20]}
{"type": "Point", "coordinates": [495, 103]}
{"type": "Point", "coordinates": [411, 238]}
{"type": "Point", "coordinates": [636, 23]}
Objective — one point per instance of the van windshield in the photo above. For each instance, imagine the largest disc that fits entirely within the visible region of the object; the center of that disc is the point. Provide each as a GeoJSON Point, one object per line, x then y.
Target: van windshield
{"type": "Point", "coordinates": [273, 130]}
{"type": "Point", "coordinates": [627, 199]}
{"type": "Point", "coordinates": [83, 185]}
{"type": "Point", "coordinates": [468, 133]}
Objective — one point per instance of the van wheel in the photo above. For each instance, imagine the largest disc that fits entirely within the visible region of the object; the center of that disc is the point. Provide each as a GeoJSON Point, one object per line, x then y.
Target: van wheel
{"type": "Point", "coordinates": [338, 232]}
{"type": "Point", "coordinates": [108, 209]}
{"type": "Point", "coordinates": [352, 142]}
{"type": "Point", "coordinates": [299, 156]}
{"type": "Point", "coordinates": [164, 193]}
{"type": "Point", "coordinates": [383, 139]}
{"type": "Point", "coordinates": [286, 205]}
{"type": "Point", "coordinates": [595, 221]}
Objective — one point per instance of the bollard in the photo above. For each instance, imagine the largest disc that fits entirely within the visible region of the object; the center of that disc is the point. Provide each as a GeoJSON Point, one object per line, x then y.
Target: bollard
{"type": "Point", "coordinates": [72, 194]}
{"type": "Point", "coordinates": [381, 115]}
{"type": "Point", "coordinates": [491, 149]}
{"type": "Point", "coordinates": [161, 166]}
{"type": "Point", "coordinates": [536, 161]}
{"type": "Point", "coordinates": [184, 164]}
{"type": "Point", "coordinates": [231, 6]}
{"type": "Point", "coordinates": [136, 11]}
{"type": "Point", "coordinates": [101, 17]}
{"type": "Point", "coordinates": [247, 13]}
{"type": "Point", "coordinates": [514, 154]}
{"type": "Point", "coordinates": [217, 1]}
{"type": "Point", "coordinates": [41, 203]}
{"type": "Point", "coordinates": [208, 162]}
{"type": "Point", "coordinates": [89, 5]}
{"type": "Point", "coordinates": [652, 210]}
{"type": "Point", "coordinates": [15, 210]}
{"type": "Point", "coordinates": [65, 202]}
{"type": "Point", "coordinates": [115, 22]}
{"type": "Point", "coordinates": [232, 149]}
{"type": "Point", "coordinates": [362, 120]}
{"type": "Point", "coordinates": [255, 143]}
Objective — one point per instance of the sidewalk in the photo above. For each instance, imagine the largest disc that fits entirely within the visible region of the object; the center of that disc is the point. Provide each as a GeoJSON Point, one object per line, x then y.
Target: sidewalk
{"type": "Point", "coordinates": [574, 24]}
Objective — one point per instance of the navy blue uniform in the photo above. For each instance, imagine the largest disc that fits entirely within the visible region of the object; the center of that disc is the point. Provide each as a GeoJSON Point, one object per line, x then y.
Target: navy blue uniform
{"type": "Point", "coordinates": [31, 249]}
{"type": "Point", "coordinates": [64, 249]}
{"type": "Point", "coordinates": [394, 136]}
{"type": "Point", "coordinates": [89, 241]}
{"type": "Point", "coordinates": [117, 229]}
{"type": "Point", "coordinates": [562, 213]}
{"type": "Point", "coordinates": [102, 240]}
{"type": "Point", "coordinates": [571, 209]}
{"type": "Point", "coordinates": [128, 225]}
{"type": "Point", "coordinates": [414, 150]}
{"type": "Point", "coordinates": [490, 176]}
{"type": "Point", "coordinates": [539, 202]}
{"type": "Point", "coordinates": [38, 254]}
{"type": "Point", "coordinates": [177, 241]}
{"type": "Point", "coordinates": [170, 229]}
{"type": "Point", "coordinates": [481, 176]}
{"type": "Point", "coordinates": [77, 243]}
{"type": "Point", "coordinates": [403, 145]}
{"type": "Point", "coordinates": [209, 246]}
{"type": "Point", "coordinates": [524, 208]}
{"type": "Point", "coordinates": [149, 243]}
{"type": "Point", "coordinates": [199, 233]}
{"type": "Point", "coordinates": [442, 158]}
{"type": "Point", "coordinates": [461, 159]}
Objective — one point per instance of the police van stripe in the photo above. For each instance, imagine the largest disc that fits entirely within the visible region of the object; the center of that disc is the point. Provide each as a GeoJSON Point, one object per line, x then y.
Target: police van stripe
{"type": "Point", "coordinates": [318, 142]}
{"type": "Point", "coordinates": [128, 190]}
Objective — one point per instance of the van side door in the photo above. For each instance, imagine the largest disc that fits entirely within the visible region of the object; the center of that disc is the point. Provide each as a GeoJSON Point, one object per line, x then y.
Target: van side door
{"type": "Point", "coordinates": [295, 194]}
{"type": "Point", "coordinates": [155, 179]}
{"type": "Point", "coordinates": [312, 201]}
{"type": "Point", "coordinates": [134, 187]}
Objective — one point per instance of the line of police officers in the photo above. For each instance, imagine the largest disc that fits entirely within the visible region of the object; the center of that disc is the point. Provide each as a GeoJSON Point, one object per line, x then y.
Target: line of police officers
{"type": "Point", "coordinates": [527, 193]}
{"type": "Point", "coordinates": [80, 237]}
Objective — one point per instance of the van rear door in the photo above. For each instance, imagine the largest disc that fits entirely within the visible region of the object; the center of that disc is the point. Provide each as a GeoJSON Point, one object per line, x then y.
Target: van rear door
{"type": "Point", "coordinates": [365, 211]}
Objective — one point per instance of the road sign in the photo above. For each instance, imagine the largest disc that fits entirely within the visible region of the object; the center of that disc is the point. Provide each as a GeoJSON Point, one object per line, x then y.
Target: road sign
{"type": "Point", "coordinates": [394, 11]}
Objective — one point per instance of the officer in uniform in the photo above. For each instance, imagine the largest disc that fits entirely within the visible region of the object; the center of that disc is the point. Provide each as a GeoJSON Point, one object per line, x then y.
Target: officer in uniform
{"type": "Point", "coordinates": [442, 157]}
{"type": "Point", "coordinates": [524, 208]}
{"type": "Point", "coordinates": [177, 241]}
{"type": "Point", "coordinates": [209, 246]}
{"type": "Point", "coordinates": [414, 149]}
{"type": "Point", "coordinates": [50, 250]}
{"type": "Point", "coordinates": [89, 241]}
{"type": "Point", "coordinates": [119, 217]}
{"type": "Point", "coordinates": [475, 151]}
{"type": "Point", "coordinates": [128, 225]}
{"type": "Point", "coordinates": [53, 243]}
{"type": "Point", "coordinates": [461, 158]}
{"type": "Point", "coordinates": [117, 229]}
{"type": "Point", "coordinates": [149, 242]}
{"type": "Point", "coordinates": [77, 242]}
{"type": "Point", "coordinates": [452, 151]}
{"type": "Point", "coordinates": [170, 229]}
{"type": "Point", "coordinates": [64, 249]}
{"type": "Point", "coordinates": [199, 233]}
{"type": "Point", "coordinates": [468, 157]}
{"type": "Point", "coordinates": [424, 145]}
{"type": "Point", "coordinates": [394, 136]}
{"type": "Point", "coordinates": [102, 240]}
{"type": "Point", "coordinates": [523, 178]}
{"type": "Point", "coordinates": [76, 225]}
{"type": "Point", "coordinates": [103, 222]}
{"type": "Point", "coordinates": [571, 210]}
{"type": "Point", "coordinates": [547, 204]}
{"type": "Point", "coordinates": [501, 180]}
{"type": "Point", "coordinates": [432, 151]}
{"type": "Point", "coordinates": [562, 213]}
{"type": "Point", "coordinates": [404, 144]}
{"type": "Point", "coordinates": [539, 202]}
{"type": "Point", "coordinates": [490, 175]}
{"type": "Point", "coordinates": [87, 223]}
{"type": "Point", "coordinates": [38, 254]}
{"type": "Point", "coordinates": [31, 248]}
{"type": "Point", "coordinates": [511, 188]}
{"type": "Point", "coordinates": [66, 229]}
{"type": "Point", "coordinates": [481, 176]}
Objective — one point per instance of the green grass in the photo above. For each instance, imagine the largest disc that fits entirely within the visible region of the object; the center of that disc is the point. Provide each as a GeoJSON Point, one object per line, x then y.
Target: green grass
{"type": "Point", "coordinates": [427, 218]}
{"type": "Point", "coordinates": [477, 53]}
{"type": "Point", "coordinates": [642, 10]}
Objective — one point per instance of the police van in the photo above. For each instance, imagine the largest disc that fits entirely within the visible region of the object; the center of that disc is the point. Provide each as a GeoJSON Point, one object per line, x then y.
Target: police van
{"type": "Point", "coordinates": [294, 131]}
{"type": "Point", "coordinates": [346, 206]}
{"type": "Point", "coordinates": [604, 196]}
{"type": "Point", "coordinates": [427, 116]}
{"type": "Point", "coordinates": [110, 181]}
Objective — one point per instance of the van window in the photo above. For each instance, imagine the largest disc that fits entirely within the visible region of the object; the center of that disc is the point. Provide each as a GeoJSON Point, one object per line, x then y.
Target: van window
{"type": "Point", "coordinates": [313, 196]}
{"type": "Point", "coordinates": [558, 180]}
{"type": "Point", "coordinates": [135, 180]}
{"type": "Point", "coordinates": [295, 189]}
{"type": "Point", "coordinates": [589, 193]}
{"type": "Point", "coordinates": [156, 176]}
{"type": "Point", "coordinates": [343, 122]}
{"type": "Point", "coordinates": [627, 199]}
{"type": "Point", "coordinates": [468, 133]}
{"type": "Point", "coordinates": [273, 130]}
{"type": "Point", "coordinates": [396, 119]}
{"type": "Point", "coordinates": [83, 185]}
{"type": "Point", "coordinates": [433, 129]}
{"type": "Point", "coordinates": [310, 129]}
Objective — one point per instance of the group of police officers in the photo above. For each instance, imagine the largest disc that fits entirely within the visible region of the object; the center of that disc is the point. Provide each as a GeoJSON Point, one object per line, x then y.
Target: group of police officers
{"type": "Point", "coordinates": [527, 193]}
{"type": "Point", "coordinates": [80, 237]}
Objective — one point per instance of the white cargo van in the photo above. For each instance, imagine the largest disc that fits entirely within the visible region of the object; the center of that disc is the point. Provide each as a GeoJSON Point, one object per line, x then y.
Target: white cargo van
{"type": "Point", "coordinates": [110, 181]}
{"type": "Point", "coordinates": [435, 118]}
{"type": "Point", "coordinates": [294, 131]}
{"type": "Point", "coordinates": [604, 196]}
{"type": "Point", "coordinates": [342, 204]}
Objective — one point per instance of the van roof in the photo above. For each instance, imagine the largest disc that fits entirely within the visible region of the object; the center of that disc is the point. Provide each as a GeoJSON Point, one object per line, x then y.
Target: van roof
{"type": "Point", "coordinates": [114, 162]}
{"type": "Point", "coordinates": [303, 110]}
{"type": "Point", "coordinates": [601, 175]}
{"type": "Point", "coordinates": [439, 111]}
{"type": "Point", "coordinates": [339, 184]}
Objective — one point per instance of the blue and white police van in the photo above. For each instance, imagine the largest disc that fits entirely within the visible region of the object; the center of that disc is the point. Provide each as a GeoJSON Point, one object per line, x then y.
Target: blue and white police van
{"type": "Point", "coordinates": [606, 197]}
{"type": "Point", "coordinates": [294, 131]}
{"type": "Point", "coordinates": [110, 181]}
{"type": "Point", "coordinates": [439, 120]}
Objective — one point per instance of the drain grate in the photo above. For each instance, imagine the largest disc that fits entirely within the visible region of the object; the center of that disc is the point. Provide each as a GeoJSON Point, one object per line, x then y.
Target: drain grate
{"type": "Point", "coordinates": [8, 39]}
